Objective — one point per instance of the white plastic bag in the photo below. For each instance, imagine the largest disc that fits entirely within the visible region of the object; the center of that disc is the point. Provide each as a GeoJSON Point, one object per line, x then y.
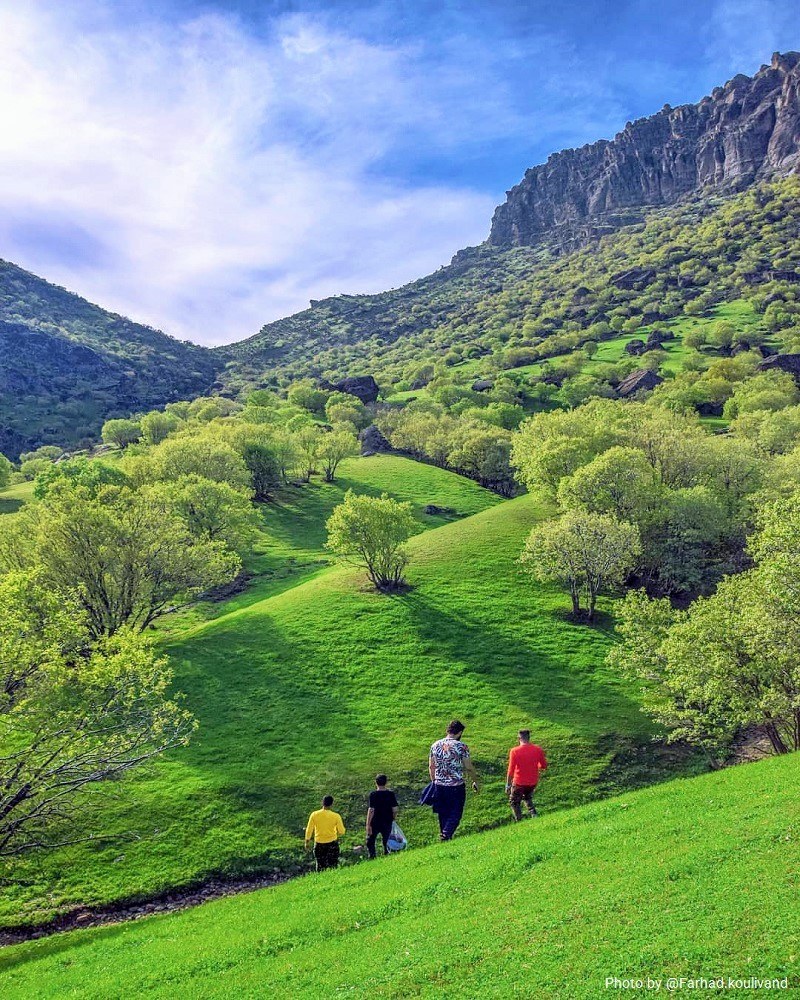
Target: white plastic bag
{"type": "Point", "coordinates": [397, 840]}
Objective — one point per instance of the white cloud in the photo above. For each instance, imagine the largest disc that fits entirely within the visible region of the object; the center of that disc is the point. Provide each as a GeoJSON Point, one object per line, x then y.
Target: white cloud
{"type": "Point", "coordinates": [203, 180]}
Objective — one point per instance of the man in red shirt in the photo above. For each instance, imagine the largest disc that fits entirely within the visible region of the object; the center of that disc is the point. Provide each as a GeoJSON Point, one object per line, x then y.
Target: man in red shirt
{"type": "Point", "coordinates": [524, 764]}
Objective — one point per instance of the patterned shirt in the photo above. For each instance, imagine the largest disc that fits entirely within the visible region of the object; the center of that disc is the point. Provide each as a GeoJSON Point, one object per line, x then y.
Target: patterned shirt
{"type": "Point", "coordinates": [449, 755]}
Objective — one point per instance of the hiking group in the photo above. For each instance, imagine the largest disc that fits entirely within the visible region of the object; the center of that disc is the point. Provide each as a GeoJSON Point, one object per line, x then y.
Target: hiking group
{"type": "Point", "coordinates": [449, 762]}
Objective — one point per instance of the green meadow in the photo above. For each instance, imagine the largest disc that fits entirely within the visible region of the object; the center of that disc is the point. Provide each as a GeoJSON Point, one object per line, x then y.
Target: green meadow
{"type": "Point", "coordinates": [308, 682]}
{"type": "Point", "coordinates": [693, 878]}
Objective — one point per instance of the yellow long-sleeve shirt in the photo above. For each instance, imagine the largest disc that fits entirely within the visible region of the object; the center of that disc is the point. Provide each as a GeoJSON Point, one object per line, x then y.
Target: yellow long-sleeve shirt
{"type": "Point", "coordinates": [326, 826]}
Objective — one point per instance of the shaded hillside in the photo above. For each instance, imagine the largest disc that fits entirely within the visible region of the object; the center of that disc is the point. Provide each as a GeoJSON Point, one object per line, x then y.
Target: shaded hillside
{"type": "Point", "coordinates": [692, 879]}
{"type": "Point", "coordinates": [65, 364]}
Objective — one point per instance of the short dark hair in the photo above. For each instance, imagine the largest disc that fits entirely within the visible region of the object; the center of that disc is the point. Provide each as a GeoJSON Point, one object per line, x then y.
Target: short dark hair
{"type": "Point", "coordinates": [524, 734]}
{"type": "Point", "coordinates": [327, 800]}
{"type": "Point", "coordinates": [380, 779]}
{"type": "Point", "coordinates": [455, 727]}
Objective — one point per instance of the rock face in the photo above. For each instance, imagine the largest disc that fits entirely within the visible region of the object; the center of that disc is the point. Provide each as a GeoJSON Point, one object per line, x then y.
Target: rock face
{"type": "Point", "coordinates": [745, 131]}
{"type": "Point", "coordinates": [372, 440]}
{"type": "Point", "coordinates": [642, 380]}
{"type": "Point", "coordinates": [364, 387]}
{"type": "Point", "coordinates": [783, 362]}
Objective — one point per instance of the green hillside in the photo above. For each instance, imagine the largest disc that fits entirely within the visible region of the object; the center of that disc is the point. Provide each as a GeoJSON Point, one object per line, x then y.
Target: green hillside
{"type": "Point", "coordinates": [495, 309]}
{"type": "Point", "coordinates": [693, 878]}
{"type": "Point", "coordinates": [66, 364]}
{"type": "Point", "coordinates": [314, 688]}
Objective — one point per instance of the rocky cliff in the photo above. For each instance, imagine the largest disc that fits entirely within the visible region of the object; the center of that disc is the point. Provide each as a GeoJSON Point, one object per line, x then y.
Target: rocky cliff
{"type": "Point", "coordinates": [743, 132]}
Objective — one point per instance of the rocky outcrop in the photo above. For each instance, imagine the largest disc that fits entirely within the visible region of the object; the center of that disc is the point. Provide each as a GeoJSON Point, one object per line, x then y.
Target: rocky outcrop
{"type": "Point", "coordinates": [743, 132]}
{"type": "Point", "coordinates": [372, 440]}
{"type": "Point", "coordinates": [363, 387]}
{"type": "Point", "coordinates": [782, 362]}
{"type": "Point", "coordinates": [642, 380]}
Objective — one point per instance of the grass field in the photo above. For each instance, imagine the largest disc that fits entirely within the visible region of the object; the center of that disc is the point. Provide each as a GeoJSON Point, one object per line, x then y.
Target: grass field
{"type": "Point", "coordinates": [694, 878]}
{"type": "Point", "coordinates": [314, 687]}
{"type": "Point", "coordinates": [12, 498]}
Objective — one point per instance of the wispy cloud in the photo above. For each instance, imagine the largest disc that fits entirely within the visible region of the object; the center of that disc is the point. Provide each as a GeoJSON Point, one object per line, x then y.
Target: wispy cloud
{"type": "Point", "coordinates": [204, 180]}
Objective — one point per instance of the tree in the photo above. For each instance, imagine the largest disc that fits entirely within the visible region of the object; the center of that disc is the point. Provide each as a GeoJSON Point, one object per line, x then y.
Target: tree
{"type": "Point", "coordinates": [213, 512]}
{"type": "Point", "coordinates": [127, 554]}
{"type": "Point", "coordinates": [333, 449]}
{"type": "Point", "coordinates": [121, 432]}
{"type": "Point", "coordinates": [372, 532]}
{"type": "Point", "coordinates": [81, 471]}
{"type": "Point", "coordinates": [583, 552]}
{"type": "Point", "coordinates": [157, 426]}
{"type": "Point", "coordinates": [73, 712]}
{"type": "Point", "coordinates": [307, 443]}
{"type": "Point", "coordinates": [618, 482]}
{"type": "Point", "coordinates": [264, 468]}
{"type": "Point", "coordinates": [200, 455]}
{"type": "Point", "coordinates": [6, 468]}
{"type": "Point", "coordinates": [308, 397]}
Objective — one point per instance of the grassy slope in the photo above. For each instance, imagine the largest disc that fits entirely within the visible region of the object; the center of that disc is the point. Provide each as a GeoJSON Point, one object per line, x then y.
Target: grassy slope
{"type": "Point", "coordinates": [12, 498]}
{"type": "Point", "coordinates": [317, 687]}
{"type": "Point", "coordinates": [693, 878]}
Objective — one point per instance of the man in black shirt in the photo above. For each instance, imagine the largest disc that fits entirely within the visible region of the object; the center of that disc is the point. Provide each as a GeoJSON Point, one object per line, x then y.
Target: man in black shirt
{"type": "Point", "coordinates": [381, 814]}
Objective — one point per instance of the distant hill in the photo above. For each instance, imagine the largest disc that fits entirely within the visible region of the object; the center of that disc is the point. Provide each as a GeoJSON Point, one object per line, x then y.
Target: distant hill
{"type": "Point", "coordinates": [65, 364]}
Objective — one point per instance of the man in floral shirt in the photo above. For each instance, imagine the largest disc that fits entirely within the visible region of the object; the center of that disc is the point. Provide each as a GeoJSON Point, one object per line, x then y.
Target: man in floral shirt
{"type": "Point", "coordinates": [448, 760]}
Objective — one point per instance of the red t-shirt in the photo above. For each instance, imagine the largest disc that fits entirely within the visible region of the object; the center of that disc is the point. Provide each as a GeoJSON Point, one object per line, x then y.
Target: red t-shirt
{"type": "Point", "coordinates": [524, 764]}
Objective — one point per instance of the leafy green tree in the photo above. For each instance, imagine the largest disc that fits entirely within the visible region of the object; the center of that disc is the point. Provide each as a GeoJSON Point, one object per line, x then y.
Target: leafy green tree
{"type": "Point", "coordinates": [79, 471]}
{"type": "Point", "coordinates": [681, 542]}
{"type": "Point", "coordinates": [34, 467]}
{"type": "Point", "coordinates": [583, 552]}
{"type": "Point", "coordinates": [485, 455]}
{"type": "Point", "coordinates": [6, 469]}
{"type": "Point", "coordinates": [264, 468]}
{"type": "Point", "coordinates": [212, 511]}
{"type": "Point", "coordinates": [200, 455]}
{"type": "Point", "coordinates": [74, 712]}
{"type": "Point", "coordinates": [308, 441]}
{"type": "Point", "coordinates": [372, 532]}
{"type": "Point", "coordinates": [342, 408]}
{"type": "Point", "coordinates": [157, 426]}
{"type": "Point", "coordinates": [308, 397]}
{"type": "Point", "coordinates": [618, 482]}
{"type": "Point", "coordinates": [333, 449]}
{"type": "Point", "coordinates": [127, 554]}
{"type": "Point", "coordinates": [772, 390]}
{"type": "Point", "coordinates": [121, 432]}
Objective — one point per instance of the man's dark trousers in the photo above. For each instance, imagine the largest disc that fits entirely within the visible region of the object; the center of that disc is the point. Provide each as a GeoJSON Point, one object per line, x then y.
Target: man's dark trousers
{"type": "Point", "coordinates": [384, 832]}
{"type": "Point", "coordinates": [327, 855]}
{"type": "Point", "coordinates": [449, 805]}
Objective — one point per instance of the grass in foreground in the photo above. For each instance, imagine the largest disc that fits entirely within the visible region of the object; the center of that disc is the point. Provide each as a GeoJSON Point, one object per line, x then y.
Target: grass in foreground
{"type": "Point", "coordinates": [316, 688]}
{"type": "Point", "coordinates": [693, 878]}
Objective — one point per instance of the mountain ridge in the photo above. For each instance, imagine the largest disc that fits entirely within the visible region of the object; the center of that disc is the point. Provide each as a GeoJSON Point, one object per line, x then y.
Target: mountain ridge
{"type": "Point", "coordinates": [745, 131]}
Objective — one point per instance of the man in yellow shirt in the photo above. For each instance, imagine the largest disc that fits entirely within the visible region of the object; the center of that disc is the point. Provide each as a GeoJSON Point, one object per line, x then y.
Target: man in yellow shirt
{"type": "Point", "coordinates": [326, 827]}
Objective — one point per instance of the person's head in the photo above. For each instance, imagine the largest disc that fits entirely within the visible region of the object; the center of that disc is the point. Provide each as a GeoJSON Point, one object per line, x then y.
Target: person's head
{"type": "Point", "coordinates": [327, 801]}
{"type": "Point", "coordinates": [455, 728]}
{"type": "Point", "coordinates": [524, 735]}
{"type": "Point", "coordinates": [381, 780]}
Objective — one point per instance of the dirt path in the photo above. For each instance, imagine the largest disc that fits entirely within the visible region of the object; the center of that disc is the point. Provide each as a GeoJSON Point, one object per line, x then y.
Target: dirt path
{"type": "Point", "coordinates": [175, 899]}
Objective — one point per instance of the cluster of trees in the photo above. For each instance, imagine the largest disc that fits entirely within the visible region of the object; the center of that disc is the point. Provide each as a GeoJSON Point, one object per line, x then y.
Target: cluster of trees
{"type": "Point", "coordinates": [468, 445]}
{"type": "Point", "coordinates": [731, 661]}
{"type": "Point", "coordinates": [646, 496]}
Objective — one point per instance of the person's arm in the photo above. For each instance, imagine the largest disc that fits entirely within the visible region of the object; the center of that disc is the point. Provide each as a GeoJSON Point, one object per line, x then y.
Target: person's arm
{"type": "Point", "coordinates": [370, 817]}
{"type": "Point", "coordinates": [395, 808]}
{"type": "Point", "coordinates": [542, 761]}
{"type": "Point", "coordinates": [432, 767]}
{"type": "Point", "coordinates": [470, 767]}
{"type": "Point", "coordinates": [309, 831]}
{"type": "Point", "coordinates": [340, 827]}
{"type": "Point", "coordinates": [510, 772]}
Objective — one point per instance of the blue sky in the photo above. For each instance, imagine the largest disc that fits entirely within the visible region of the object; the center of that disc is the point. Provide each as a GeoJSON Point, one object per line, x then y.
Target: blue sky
{"type": "Point", "coordinates": [207, 167]}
